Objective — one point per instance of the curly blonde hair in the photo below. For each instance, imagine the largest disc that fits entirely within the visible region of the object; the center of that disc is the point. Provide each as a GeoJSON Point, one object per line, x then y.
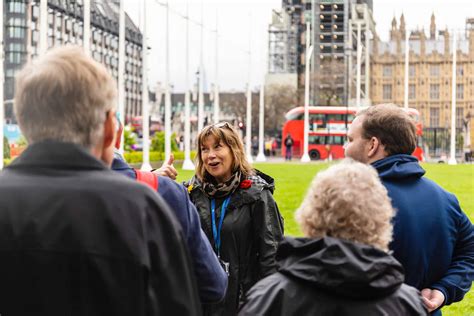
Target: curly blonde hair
{"type": "Point", "coordinates": [348, 201]}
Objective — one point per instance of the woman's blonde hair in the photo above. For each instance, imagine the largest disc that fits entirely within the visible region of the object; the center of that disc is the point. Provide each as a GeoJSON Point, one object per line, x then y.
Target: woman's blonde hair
{"type": "Point", "coordinates": [348, 201]}
{"type": "Point", "coordinates": [226, 133]}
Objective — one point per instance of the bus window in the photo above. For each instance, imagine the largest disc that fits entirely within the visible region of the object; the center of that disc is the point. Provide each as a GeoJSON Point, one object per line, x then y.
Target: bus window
{"type": "Point", "coordinates": [317, 117]}
{"type": "Point", "coordinates": [335, 140]}
{"type": "Point", "coordinates": [336, 117]}
{"type": "Point", "coordinates": [316, 139]}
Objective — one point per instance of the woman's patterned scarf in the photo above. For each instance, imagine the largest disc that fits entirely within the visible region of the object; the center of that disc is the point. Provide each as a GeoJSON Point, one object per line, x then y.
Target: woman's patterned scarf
{"type": "Point", "coordinates": [219, 190]}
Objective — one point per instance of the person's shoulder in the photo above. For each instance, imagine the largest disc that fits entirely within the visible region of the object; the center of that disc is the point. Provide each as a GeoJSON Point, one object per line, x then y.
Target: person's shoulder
{"type": "Point", "coordinates": [259, 182]}
{"type": "Point", "coordinates": [130, 190]}
{"type": "Point", "coordinates": [262, 297]}
{"type": "Point", "coordinates": [174, 193]}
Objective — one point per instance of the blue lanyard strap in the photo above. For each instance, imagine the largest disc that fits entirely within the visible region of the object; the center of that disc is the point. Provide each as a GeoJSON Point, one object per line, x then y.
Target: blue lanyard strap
{"type": "Point", "coordinates": [215, 231]}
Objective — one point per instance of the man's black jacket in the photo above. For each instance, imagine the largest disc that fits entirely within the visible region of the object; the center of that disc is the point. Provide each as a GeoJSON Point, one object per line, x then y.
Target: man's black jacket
{"type": "Point", "coordinates": [79, 239]}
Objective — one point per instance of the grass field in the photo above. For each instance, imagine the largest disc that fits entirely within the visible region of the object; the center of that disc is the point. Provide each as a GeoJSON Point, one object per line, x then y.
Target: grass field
{"type": "Point", "coordinates": [293, 179]}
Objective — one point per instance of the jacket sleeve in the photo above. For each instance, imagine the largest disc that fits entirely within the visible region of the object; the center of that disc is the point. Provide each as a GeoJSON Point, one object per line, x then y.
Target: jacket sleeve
{"type": "Point", "coordinates": [169, 264]}
{"type": "Point", "coordinates": [268, 226]}
{"type": "Point", "coordinates": [458, 279]}
{"type": "Point", "coordinates": [211, 278]}
{"type": "Point", "coordinates": [264, 298]}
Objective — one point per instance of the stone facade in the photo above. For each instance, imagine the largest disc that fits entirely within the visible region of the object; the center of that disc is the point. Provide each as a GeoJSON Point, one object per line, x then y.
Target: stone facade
{"type": "Point", "coordinates": [430, 78]}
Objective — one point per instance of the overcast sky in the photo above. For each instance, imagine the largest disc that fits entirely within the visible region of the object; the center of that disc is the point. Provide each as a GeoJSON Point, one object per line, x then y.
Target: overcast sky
{"type": "Point", "coordinates": [244, 23]}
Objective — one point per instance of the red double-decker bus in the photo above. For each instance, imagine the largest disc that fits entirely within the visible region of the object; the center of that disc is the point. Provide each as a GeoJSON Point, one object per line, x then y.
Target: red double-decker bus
{"type": "Point", "coordinates": [328, 130]}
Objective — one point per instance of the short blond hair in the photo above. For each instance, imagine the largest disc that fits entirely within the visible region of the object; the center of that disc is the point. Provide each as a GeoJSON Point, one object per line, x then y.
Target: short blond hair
{"type": "Point", "coordinates": [348, 201]}
{"type": "Point", "coordinates": [226, 133]}
{"type": "Point", "coordinates": [64, 96]}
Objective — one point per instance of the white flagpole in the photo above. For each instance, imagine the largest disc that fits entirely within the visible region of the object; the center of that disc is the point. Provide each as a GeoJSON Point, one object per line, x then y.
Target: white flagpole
{"type": "Point", "coordinates": [216, 85]}
{"type": "Point", "coordinates": [43, 36]}
{"type": "Point", "coordinates": [167, 88]}
{"type": "Point", "coordinates": [187, 164]}
{"type": "Point", "coordinates": [407, 56]}
{"type": "Point", "coordinates": [452, 155]}
{"type": "Point", "coordinates": [2, 76]}
{"type": "Point", "coordinates": [121, 70]}
{"type": "Point", "coordinates": [145, 110]}
{"type": "Point", "coordinates": [261, 153]}
{"type": "Point", "coordinates": [248, 131]}
{"type": "Point", "coordinates": [201, 77]}
{"type": "Point", "coordinates": [309, 52]}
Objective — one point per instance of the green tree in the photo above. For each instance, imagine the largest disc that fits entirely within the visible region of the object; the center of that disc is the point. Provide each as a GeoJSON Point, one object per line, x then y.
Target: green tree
{"type": "Point", "coordinates": [6, 148]}
{"type": "Point", "coordinates": [22, 141]}
{"type": "Point", "coordinates": [129, 139]}
{"type": "Point", "coordinates": [158, 142]}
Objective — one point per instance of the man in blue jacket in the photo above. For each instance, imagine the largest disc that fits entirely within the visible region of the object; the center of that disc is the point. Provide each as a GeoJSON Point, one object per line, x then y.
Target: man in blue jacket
{"type": "Point", "coordinates": [211, 278]}
{"type": "Point", "coordinates": [432, 237]}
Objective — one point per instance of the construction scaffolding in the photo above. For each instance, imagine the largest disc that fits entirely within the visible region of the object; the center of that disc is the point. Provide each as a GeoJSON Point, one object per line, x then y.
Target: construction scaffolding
{"type": "Point", "coordinates": [361, 31]}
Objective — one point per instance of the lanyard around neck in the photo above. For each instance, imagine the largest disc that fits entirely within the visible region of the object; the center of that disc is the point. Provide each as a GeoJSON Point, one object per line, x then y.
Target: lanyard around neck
{"type": "Point", "coordinates": [216, 231]}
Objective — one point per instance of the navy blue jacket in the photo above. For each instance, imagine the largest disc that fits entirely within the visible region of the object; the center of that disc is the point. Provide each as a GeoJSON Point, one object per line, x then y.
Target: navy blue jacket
{"type": "Point", "coordinates": [433, 239]}
{"type": "Point", "coordinates": [211, 278]}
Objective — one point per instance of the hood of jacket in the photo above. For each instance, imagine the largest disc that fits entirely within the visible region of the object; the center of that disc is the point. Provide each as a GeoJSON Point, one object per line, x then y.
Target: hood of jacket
{"type": "Point", "coordinates": [340, 267]}
{"type": "Point", "coordinates": [398, 166]}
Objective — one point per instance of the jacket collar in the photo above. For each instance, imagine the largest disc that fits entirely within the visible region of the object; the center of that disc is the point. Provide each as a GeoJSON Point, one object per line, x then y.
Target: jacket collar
{"type": "Point", "coordinates": [56, 155]}
{"type": "Point", "coordinates": [398, 166]}
{"type": "Point", "coordinates": [240, 197]}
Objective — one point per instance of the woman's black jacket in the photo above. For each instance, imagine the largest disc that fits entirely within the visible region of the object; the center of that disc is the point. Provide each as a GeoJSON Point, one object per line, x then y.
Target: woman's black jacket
{"type": "Point", "coordinates": [330, 276]}
{"type": "Point", "coordinates": [251, 231]}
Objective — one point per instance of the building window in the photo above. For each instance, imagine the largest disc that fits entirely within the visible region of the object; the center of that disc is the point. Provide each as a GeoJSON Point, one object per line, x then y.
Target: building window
{"type": "Point", "coordinates": [460, 91]}
{"type": "Point", "coordinates": [459, 117]}
{"type": "Point", "coordinates": [35, 12]}
{"type": "Point", "coordinates": [460, 71]}
{"type": "Point", "coordinates": [387, 91]}
{"type": "Point", "coordinates": [434, 117]}
{"type": "Point", "coordinates": [434, 70]}
{"type": "Point", "coordinates": [16, 32]}
{"type": "Point", "coordinates": [412, 91]}
{"type": "Point", "coordinates": [434, 91]}
{"type": "Point", "coordinates": [387, 71]}
{"type": "Point", "coordinates": [412, 71]}
{"type": "Point", "coordinates": [17, 7]}
{"type": "Point", "coordinates": [14, 58]}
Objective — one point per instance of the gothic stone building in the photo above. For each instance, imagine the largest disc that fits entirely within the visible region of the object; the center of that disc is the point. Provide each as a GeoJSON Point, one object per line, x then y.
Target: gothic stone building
{"type": "Point", "coordinates": [430, 80]}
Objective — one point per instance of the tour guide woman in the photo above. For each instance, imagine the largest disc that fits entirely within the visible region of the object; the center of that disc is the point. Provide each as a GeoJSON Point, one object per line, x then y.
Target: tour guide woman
{"type": "Point", "coordinates": [237, 211]}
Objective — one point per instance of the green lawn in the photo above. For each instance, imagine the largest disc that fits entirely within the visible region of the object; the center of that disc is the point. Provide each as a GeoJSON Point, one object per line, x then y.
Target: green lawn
{"type": "Point", "coordinates": [293, 179]}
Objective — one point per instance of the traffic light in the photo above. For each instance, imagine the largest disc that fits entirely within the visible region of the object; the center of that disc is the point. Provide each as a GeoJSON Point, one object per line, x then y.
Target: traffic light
{"type": "Point", "coordinates": [241, 125]}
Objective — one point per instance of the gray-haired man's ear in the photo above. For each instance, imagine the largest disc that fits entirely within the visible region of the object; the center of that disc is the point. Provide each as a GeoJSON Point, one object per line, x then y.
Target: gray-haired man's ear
{"type": "Point", "coordinates": [108, 143]}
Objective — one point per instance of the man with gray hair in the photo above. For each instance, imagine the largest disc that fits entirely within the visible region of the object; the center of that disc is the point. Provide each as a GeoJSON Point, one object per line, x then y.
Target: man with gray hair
{"type": "Point", "coordinates": [75, 237]}
{"type": "Point", "coordinates": [432, 237]}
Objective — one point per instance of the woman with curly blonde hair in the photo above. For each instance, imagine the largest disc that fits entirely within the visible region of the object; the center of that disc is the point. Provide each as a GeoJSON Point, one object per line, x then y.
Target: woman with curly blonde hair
{"type": "Point", "coordinates": [342, 266]}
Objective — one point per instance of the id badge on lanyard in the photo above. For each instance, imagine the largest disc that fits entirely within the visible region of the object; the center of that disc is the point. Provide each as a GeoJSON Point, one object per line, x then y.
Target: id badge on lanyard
{"type": "Point", "coordinates": [216, 230]}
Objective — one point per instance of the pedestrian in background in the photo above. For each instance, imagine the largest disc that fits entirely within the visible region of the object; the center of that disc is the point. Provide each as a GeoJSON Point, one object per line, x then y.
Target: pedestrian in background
{"type": "Point", "coordinates": [237, 211]}
{"type": "Point", "coordinates": [288, 147]}
{"type": "Point", "coordinates": [342, 265]}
